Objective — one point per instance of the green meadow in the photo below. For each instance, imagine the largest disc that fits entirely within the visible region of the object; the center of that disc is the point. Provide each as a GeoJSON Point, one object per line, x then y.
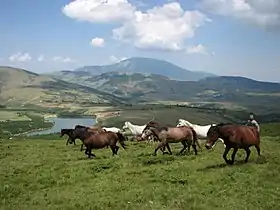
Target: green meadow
{"type": "Point", "coordinates": [46, 174]}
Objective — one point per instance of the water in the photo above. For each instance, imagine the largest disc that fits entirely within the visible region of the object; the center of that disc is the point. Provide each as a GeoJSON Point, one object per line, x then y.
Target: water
{"type": "Point", "coordinates": [60, 123]}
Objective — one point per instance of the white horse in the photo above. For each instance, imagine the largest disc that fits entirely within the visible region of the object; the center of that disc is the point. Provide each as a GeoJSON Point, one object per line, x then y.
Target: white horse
{"type": "Point", "coordinates": [113, 129]}
{"type": "Point", "coordinates": [200, 130]}
{"type": "Point", "coordinates": [135, 130]}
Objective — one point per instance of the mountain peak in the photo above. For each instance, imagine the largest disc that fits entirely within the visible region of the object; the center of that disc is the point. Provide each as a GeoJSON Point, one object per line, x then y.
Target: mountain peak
{"type": "Point", "coordinates": [147, 66]}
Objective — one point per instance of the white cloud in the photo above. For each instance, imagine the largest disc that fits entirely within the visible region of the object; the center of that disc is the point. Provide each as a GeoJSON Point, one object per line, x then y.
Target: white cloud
{"type": "Point", "coordinates": [41, 58]}
{"type": "Point", "coordinates": [20, 57]}
{"type": "Point", "coordinates": [63, 59]}
{"type": "Point", "coordinates": [99, 10]}
{"type": "Point", "coordinates": [161, 28]}
{"type": "Point", "coordinates": [97, 42]}
{"type": "Point", "coordinates": [114, 59]}
{"type": "Point", "coordinates": [197, 49]}
{"type": "Point", "coordinates": [264, 13]}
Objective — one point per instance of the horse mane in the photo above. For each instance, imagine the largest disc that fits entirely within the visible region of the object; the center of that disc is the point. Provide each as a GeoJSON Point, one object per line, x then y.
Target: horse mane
{"type": "Point", "coordinates": [162, 128]}
{"type": "Point", "coordinates": [222, 124]}
{"type": "Point", "coordinates": [80, 126]}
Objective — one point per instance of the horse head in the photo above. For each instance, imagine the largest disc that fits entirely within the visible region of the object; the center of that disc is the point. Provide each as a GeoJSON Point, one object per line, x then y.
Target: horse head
{"type": "Point", "coordinates": [183, 122]}
{"type": "Point", "coordinates": [126, 124]}
{"type": "Point", "coordinates": [212, 136]}
{"type": "Point", "coordinates": [147, 132]}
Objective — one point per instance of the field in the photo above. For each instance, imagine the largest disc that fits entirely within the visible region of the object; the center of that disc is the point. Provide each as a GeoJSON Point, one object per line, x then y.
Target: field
{"type": "Point", "coordinates": [12, 116]}
{"type": "Point", "coordinates": [47, 174]}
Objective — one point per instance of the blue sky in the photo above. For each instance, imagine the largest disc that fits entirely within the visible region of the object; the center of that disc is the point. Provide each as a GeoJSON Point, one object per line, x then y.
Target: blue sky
{"type": "Point", "coordinates": [230, 37]}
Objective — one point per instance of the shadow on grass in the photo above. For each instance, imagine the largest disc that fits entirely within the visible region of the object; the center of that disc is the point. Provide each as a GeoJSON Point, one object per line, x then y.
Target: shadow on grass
{"type": "Point", "coordinates": [259, 160]}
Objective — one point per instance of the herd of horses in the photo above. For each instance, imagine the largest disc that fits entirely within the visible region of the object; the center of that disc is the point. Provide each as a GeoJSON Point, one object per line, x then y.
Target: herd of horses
{"type": "Point", "coordinates": [233, 136]}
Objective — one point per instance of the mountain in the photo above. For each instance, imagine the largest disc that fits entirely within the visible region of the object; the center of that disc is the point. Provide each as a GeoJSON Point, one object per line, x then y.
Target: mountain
{"type": "Point", "coordinates": [135, 65]}
{"type": "Point", "coordinates": [21, 87]}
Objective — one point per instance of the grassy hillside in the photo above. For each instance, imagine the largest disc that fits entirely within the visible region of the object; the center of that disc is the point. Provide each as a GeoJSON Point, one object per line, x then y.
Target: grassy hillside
{"type": "Point", "coordinates": [40, 174]}
{"type": "Point", "coordinates": [20, 87]}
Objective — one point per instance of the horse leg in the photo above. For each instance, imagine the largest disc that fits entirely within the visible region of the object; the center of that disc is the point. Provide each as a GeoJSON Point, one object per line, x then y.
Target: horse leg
{"type": "Point", "coordinates": [198, 144]}
{"type": "Point", "coordinates": [248, 152]}
{"type": "Point", "coordinates": [116, 149]}
{"type": "Point", "coordinates": [160, 145]}
{"type": "Point", "coordinates": [258, 149]}
{"type": "Point", "coordinates": [82, 147]}
{"type": "Point", "coordinates": [184, 147]}
{"type": "Point", "coordinates": [168, 148]}
{"type": "Point", "coordinates": [233, 155]}
{"type": "Point", "coordinates": [74, 142]}
{"type": "Point", "coordinates": [67, 141]}
{"type": "Point", "coordinates": [162, 149]}
{"type": "Point", "coordinates": [90, 155]}
{"type": "Point", "coordinates": [225, 154]}
{"type": "Point", "coordinates": [194, 148]}
{"type": "Point", "coordinates": [113, 148]}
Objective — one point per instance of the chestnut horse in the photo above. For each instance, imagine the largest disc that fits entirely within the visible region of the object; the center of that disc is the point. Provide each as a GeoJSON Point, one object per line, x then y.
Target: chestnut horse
{"type": "Point", "coordinates": [184, 134]}
{"type": "Point", "coordinates": [236, 137]}
{"type": "Point", "coordinates": [99, 140]}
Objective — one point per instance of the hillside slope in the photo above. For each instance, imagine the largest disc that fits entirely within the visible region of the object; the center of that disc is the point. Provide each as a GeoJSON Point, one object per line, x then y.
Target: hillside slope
{"type": "Point", "coordinates": [20, 87]}
{"type": "Point", "coordinates": [135, 65]}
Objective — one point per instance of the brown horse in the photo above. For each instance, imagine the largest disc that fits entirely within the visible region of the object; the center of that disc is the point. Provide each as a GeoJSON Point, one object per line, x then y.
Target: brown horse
{"type": "Point", "coordinates": [99, 140]}
{"type": "Point", "coordinates": [89, 129]}
{"type": "Point", "coordinates": [153, 124]}
{"type": "Point", "coordinates": [184, 134]}
{"type": "Point", "coordinates": [236, 137]}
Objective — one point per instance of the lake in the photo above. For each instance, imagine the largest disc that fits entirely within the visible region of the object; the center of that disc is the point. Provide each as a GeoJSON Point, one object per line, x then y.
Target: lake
{"type": "Point", "coordinates": [60, 123]}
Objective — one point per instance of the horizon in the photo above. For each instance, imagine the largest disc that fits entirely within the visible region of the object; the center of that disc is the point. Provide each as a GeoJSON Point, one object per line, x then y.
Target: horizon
{"type": "Point", "coordinates": [230, 38]}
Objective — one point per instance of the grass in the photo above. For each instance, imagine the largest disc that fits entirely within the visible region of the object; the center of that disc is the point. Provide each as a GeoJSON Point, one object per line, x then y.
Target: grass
{"type": "Point", "coordinates": [47, 174]}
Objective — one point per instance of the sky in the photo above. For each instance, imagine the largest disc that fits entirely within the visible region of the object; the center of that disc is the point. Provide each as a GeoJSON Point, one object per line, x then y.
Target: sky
{"type": "Point", "coordinates": [224, 37]}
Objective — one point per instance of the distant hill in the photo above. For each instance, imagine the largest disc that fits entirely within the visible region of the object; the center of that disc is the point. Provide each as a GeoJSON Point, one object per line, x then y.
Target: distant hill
{"type": "Point", "coordinates": [136, 65]}
{"type": "Point", "coordinates": [137, 87]}
{"type": "Point", "coordinates": [21, 87]}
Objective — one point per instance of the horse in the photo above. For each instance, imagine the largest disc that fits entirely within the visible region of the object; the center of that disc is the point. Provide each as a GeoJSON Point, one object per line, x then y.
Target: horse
{"type": "Point", "coordinates": [89, 129]}
{"type": "Point", "coordinates": [184, 134]}
{"type": "Point", "coordinates": [112, 129]}
{"type": "Point", "coordinates": [200, 130]}
{"type": "Point", "coordinates": [136, 130]}
{"type": "Point", "coordinates": [99, 140]}
{"type": "Point", "coordinates": [69, 133]}
{"type": "Point", "coordinates": [236, 137]}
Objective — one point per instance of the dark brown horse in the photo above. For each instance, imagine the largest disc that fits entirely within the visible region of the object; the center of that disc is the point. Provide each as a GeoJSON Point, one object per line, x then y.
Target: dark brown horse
{"type": "Point", "coordinates": [93, 130]}
{"type": "Point", "coordinates": [236, 137]}
{"type": "Point", "coordinates": [184, 134]}
{"type": "Point", "coordinates": [99, 140]}
{"type": "Point", "coordinates": [69, 132]}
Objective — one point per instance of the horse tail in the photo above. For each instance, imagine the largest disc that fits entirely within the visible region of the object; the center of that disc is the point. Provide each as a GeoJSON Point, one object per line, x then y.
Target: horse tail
{"type": "Point", "coordinates": [121, 139]}
{"type": "Point", "coordinates": [151, 120]}
{"type": "Point", "coordinates": [195, 139]}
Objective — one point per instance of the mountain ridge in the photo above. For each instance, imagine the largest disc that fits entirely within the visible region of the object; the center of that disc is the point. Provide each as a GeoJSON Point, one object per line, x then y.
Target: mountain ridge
{"type": "Point", "coordinates": [140, 65]}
